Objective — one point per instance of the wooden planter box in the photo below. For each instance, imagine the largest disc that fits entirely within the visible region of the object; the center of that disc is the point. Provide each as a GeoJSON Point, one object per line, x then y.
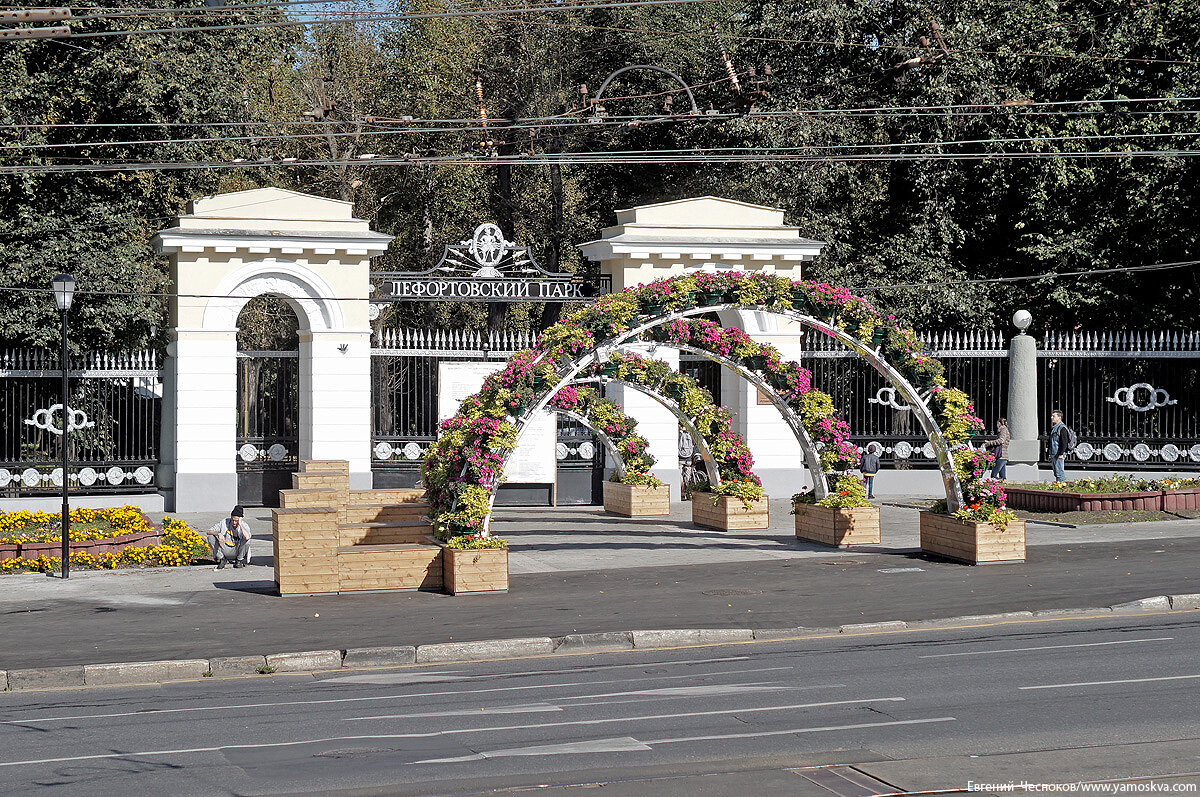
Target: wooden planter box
{"type": "Point", "coordinates": [636, 500]}
{"type": "Point", "coordinates": [1172, 500]}
{"type": "Point", "coordinates": [840, 527]}
{"type": "Point", "coordinates": [480, 570]}
{"type": "Point", "coordinates": [973, 543]}
{"type": "Point", "coordinates": [729, 513]}
{"type": "Point", "coordinates": [1054, 501]}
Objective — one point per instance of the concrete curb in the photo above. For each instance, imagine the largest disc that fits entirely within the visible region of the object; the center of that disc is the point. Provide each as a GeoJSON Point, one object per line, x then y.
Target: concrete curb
{"type": "Point", "coordinates": [144, 672]}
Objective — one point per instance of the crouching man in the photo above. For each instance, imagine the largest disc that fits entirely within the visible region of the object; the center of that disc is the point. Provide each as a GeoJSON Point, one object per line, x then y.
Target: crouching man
{"type": "Point", "coordinates": [230, 540]}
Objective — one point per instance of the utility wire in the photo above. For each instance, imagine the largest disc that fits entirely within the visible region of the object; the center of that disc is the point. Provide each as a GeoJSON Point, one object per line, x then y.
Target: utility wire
{"type": "Point", "coordinates": [397, 17]}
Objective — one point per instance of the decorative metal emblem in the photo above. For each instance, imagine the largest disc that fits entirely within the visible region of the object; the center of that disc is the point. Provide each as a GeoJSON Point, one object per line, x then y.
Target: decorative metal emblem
{"type": "Point", "coordinates": [886, 396]}
{"type": "Point", "coordinates": [488, 248]}
{"type": "Point", "coordinates": [383, 450]}
{"type": "Point", "coordinates": [1127, 397]}
{"type": "Point", "coordinates": [42, 419]}
{"type": "Point", "coordinates": [412, 451]}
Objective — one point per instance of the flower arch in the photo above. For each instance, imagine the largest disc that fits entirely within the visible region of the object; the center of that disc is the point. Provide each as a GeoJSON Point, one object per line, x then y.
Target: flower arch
{"type": "Point", "coordinates": [532, 378]}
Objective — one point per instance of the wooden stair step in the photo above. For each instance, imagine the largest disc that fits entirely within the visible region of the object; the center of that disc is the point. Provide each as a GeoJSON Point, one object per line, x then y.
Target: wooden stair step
{"type": "Point", "coordinates": [395, 546]}
{"type": "Point", "coordinates": [384, 524]}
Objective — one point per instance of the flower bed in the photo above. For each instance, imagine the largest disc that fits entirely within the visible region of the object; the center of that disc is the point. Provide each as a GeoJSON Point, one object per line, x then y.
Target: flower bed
{"type": "Point", "coordinates": [1120, 493]}
{"type": "Point", "coordinates": [177, 544]}
{"type": "Point", "coordinates": [1060, 501]}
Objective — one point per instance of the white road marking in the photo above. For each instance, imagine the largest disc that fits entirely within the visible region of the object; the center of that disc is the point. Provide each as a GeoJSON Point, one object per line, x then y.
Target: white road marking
{"type": "Point", "coordinates": [700, 691]}
{"type": "Point", "coordinates": [710, 712]}
{"type": "Point", "coordinates": [1107, 683]}
{"type": "Point", "coordinates": [452, 732]}
{"type": "Point", "coordinates": [622, 744]}
{"type": "Point", "coordinates": [369, 698]}
{"type": "Point", "coordinates": [798, 730]}
{"type": "Point", "coordinates": [1046, 647]}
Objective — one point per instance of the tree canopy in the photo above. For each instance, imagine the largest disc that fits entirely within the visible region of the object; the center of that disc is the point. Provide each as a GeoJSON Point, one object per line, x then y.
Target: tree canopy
{"type": "Point", "coordinates": [926, 142]}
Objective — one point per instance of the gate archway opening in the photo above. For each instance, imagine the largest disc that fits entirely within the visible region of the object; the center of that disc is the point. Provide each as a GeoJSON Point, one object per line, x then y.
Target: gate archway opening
{"type": "Point", "coordinates": [268, 399]}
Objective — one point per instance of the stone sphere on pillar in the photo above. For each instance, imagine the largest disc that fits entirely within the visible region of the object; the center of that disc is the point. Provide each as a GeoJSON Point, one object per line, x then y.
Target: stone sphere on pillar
{"type": "Point", "coordinates": [1022, 319]}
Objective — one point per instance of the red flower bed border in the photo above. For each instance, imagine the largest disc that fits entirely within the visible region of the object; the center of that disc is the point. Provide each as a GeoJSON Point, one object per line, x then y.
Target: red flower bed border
{"type": "Point", "coordinates": [1174, 500]}
{"type": "Point", "coordinates": [32, 550]}
{"type": "Point", "coordinates": [1054, 501]}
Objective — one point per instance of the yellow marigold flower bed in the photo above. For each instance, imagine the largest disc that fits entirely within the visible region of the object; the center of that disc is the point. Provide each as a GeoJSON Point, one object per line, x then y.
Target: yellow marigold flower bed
{"type": "Point", "coordinates": [86, 524]}
{"type": "Point", "coordinates": [181, 544]}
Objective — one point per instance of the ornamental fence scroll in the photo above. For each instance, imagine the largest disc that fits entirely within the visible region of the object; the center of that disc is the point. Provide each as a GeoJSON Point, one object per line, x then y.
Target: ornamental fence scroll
{"type": "Point", "coordinates": [115, 403]}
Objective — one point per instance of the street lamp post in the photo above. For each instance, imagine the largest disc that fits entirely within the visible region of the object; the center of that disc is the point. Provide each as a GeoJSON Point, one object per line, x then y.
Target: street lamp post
{"type": "Point", "coordinates": [64, 292]}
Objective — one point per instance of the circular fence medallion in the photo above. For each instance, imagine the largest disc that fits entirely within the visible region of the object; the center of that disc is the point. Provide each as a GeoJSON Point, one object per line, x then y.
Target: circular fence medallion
{"type": "Point", "coordinates": [115, 475]}
{"type": "Point", "coordinates": [1194, 453]}
{"type": "Point", "coordinates": [929, 451]}
{"type": "Point", "coordinates": [587, 450]}
{"type": "Point", "coordinates": [143, 475]}
{"type": "Point", "coordinates": [1085, 451]}
{"type": "Point", "coordinates": [87, 477]}
{"type": "Point", "coordinates": [383, 450]}
{"type": "Point", "coordinates": [1170, 452]}
{"type": "Point", "coordinates": [5, 477]}
{"type": "Point", "coordinates": [412, 450]}
{"type": "Point", "coordinates": [30, 477]}
{"type": "Point", "coordinates": [277, 452]}
{"type": "Point", "coordinates": [248, 452]}
{"type": "Point", "coordinates": [1141, 452]}
{"type": "Point", "coordinates": [903, 449]}
{"type": "Point", "coordinates": [56, 477]}
{"type": "Point", "coordinates": [1112, 452]}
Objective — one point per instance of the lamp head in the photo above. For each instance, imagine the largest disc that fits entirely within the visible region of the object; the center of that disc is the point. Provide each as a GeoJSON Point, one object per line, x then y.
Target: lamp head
{"type": "Point", "coordinates": [1022, 319]}
{"type": "Point", "coordinates": [64, 291]}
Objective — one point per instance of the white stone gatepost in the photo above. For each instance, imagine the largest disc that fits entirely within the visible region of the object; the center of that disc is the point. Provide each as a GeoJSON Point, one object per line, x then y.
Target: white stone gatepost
{"type": "Point", "coordinates": [667, 239]}
{"type": "Point", "coordinates": [312, 253]}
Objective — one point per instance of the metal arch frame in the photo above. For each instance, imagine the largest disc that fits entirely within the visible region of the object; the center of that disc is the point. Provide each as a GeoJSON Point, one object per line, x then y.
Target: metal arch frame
{"type": "Point", "coordinates": [954, 499]}
{"type": "Point", "coordinates": [710, 462]}
{"type": "Point", "coordinates": [812, 456]}
{"type": "Point", "coordinates": [687, 89]}
{"type": "Point", "coordinates": [604, 438]}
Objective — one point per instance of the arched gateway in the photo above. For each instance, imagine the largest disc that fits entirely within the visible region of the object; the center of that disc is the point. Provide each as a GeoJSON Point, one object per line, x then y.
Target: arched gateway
{"type": "Point", "coordinates": [532, 379]}
{"type": "Point", "coordinates": [228, 249]}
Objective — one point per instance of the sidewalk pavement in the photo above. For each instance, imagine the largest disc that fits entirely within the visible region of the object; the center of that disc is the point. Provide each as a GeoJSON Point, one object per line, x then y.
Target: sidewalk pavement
{"type": "Point", "coordinates": [576, 570]}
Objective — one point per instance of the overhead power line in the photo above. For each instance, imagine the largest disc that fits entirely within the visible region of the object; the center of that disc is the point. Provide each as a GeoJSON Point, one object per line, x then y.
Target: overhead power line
{"type": "Point", "coordinates": [397, 16]}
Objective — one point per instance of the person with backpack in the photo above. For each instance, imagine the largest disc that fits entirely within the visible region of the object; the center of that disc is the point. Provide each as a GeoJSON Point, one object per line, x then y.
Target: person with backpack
{"type": "Point", "coordinates": [869, 467]}
{"type": "Point", "coordinates": [1062, 442]}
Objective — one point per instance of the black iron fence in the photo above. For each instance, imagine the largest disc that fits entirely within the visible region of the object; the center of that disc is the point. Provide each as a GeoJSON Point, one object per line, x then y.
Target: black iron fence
{"type": "Point", "coordinates": [115, 403]}
{"type": "Point", "coordinates": [1133, 398]}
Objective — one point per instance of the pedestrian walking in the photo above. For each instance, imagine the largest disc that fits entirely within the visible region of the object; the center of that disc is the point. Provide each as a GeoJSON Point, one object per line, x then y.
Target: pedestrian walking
{"type": "Point", "coordinates": [998, 448]}
{"type": "Point", "coordinates": [230, 540]}
{"type": "Point", "coordinates": [869, 467]}
{"type": "Point", "coordinates": [1062, 442]}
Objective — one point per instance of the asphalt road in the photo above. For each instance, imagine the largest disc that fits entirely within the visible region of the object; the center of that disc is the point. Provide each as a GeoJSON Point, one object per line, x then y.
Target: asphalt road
{"type": "Point", "coordinates": [1046, 701]}
{"type": "Point", "coordinates": [105, 622]}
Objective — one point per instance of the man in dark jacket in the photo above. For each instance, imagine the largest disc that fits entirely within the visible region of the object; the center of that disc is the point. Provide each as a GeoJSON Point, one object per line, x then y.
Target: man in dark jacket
{"type": "Point", "coordinates": [998, 448]}
{"type": "Point", "coordinates": [1059, 438]}
{"type": "Point", "coordinates": [869, 467]}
